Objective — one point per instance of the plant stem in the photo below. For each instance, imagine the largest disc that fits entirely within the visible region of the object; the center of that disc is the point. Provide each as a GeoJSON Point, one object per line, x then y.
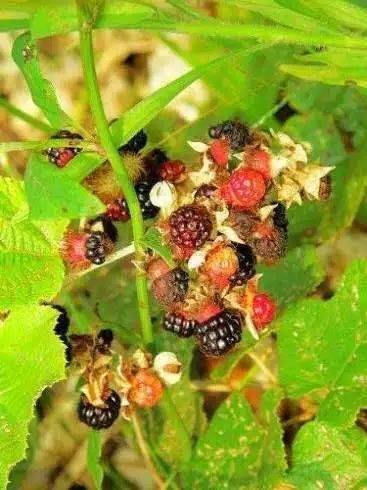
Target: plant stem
{"type": "Point", "coordinates": [43, 145]}
{"type": "Point", "coordinates": [145, 451]}
{"type": "Point", "coordinates": [86, 48]}
{"type": "Point", "coordinates": [32, 121]}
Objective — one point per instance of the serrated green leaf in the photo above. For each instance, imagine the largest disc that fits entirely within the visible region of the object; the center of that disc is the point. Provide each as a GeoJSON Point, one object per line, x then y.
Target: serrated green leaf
{"type": "Point", "coordinates": [52, 195]}
{"type": "Point", "coordinates": [94, 452]}
{"type": "Point", "coordinates": [59, 19]}
{"type": "Point", "coordinates": [323, 346]}
{"type": "Point", "coordinates": [238, 449]}
{"type": "Point", "coordinates": [43, 94]}
{"type": "Point", "coordinates": [296, 276]}
{"type": "Point", "coordinates": [30, 267]}
{"type": "Point", "coordinates": [153, 239]}
{"type": "Point", "coordinates": [343, 12]}
{"type": "Point", "coordinates": [187, 405]}
{"type": "Point", "coordinates": [324, 455]}
{"type": "Point", "coordinates": [31, 358]}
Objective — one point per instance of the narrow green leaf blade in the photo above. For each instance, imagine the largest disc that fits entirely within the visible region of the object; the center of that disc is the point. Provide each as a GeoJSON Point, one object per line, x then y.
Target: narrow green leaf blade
{"type": "Point", "coordinates": [43, 94]}
{"type": "Point", "coordinates": [52, 195]}
{"type": "Point", "coordinates": [31, 358]}
{"type": "Point", "coordinates": [94, 452]}
{"type": "Point", "coordinates": [345, 13]}
{"type": "Point", "coordinates": [153, 239]}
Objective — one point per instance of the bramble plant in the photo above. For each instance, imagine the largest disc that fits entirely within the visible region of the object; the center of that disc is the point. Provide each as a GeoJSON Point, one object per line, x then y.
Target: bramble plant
{"type": "Point", "coordinates": [229, 348]}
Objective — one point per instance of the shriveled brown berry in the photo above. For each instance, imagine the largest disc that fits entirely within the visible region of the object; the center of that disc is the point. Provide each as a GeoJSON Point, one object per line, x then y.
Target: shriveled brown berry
{"type": "Point", "coordinates": [270, 245]}
{"type": "Point", "coordinates": [171, 288]}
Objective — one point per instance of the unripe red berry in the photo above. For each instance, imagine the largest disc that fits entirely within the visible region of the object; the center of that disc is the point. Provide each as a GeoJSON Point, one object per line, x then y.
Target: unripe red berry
{"type": "Point", "coordinates": [146, 389]}
{"type": "Point", "coordinates": [118, 210]}
{"type": "Point", "coordinates": [207, 310]}
{"type": "Point", "coordinates": [172, 170]}
{"type": "Point", "coordinates": [220, 265]}
{"type": "Point", "coordinates": [219, 151]}
{"type": "Point", "coordinates": [259, 160]}
{"type": "Point", "coordinates": [245, 189]}
{"type": "Point", "coordinates": [157, 268]}
{"type": "Point", "coordinates": [263, 310]}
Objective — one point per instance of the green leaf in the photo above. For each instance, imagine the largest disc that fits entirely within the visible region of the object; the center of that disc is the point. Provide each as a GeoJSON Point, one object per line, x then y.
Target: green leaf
{"type": "Point", "coordinates": [296, 276]}
{"type": "Point", "coordinates": [30, 267]}
{"type": "Point", "coordinates": [31, 358]}
{"type": "Point", "coordinates": [43, 94]}
{"type": "Point", "coordinates": [59, 19]}
{"type": "Point", "coordinates": [143, 112]}
{"type": "Point", "coordinates": [323, 347]}
{"type": "Point", "coordinates": [326, 457]}
{"type": "Point", "coordinates": [51, 194]}
{"type": "Point", "coordinates": [187, 405]}
{"type": "Point", "coordinates": [94, 452]}
{"type": "Point", "coordinates": [343, 12]}
{"type": "Point", "coordinates": [82, 165]}
{"type": "Point", "coordinates": [238, 449]}
{"type": "Point", "coordinates": [153, 239]}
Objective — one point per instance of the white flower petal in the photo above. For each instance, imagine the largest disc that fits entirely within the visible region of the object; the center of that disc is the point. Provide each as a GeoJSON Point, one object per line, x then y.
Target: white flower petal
{"type": "Point", "coordinates": [163, 195]}
{"type": "Point", "coordinates": [197, 259]}
{"type": "Point", "coordinates": [168, 367]}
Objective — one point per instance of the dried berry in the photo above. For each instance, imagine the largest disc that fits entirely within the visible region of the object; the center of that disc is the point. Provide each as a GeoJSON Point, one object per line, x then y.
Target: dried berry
{"type": "Point", "coordinates": [146, 389]}
{"type": "Point", "coordinates": [269, 243]}
{"type": "Point", "coordinates": [172, 170]}
{"type": "Point", "coordinates": [189, 228]}
{"type": "Point", "coordinates": [171, 288]}
{"type": "Point", "coordinates": [235, 132]}
{"type": "Point", "coordinates": [263, 310]}
{"type": "Point", "coordinates": [157, 268]}
{"type": "Point", "coordinates": [62, 156]}
{"type": "Point", "coordinates": [219, 151]}
{"type": "Point", "coordinates": [142, 190]}
{"type": "Point", "coordinates": [244, 190]}
{"type": "Point", "coordinates": [179, 325]}
{"type": "Point", "coordinates": [247, 263]}
{"type": "Point", "coordinates": [99, 417]}
{"type": "Point", "coordinates": [220, 333]}
{"type": "Point", "coordinates": [205, 191]}
{"type": "Point", "coordinates": [135, 144]}
{"type": "Point", "coordinates": [118, 210]}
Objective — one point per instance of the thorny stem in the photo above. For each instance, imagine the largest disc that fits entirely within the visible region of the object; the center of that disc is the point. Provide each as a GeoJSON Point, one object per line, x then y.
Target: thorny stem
{"type": "Point", "coordinates": [86, 49]}
{"type": "Point", "coordinates": [43, 145]}
{"type": "Point", "coordinates": [32, 121]}
{"type": "Point", "coordinates": [145, 451]}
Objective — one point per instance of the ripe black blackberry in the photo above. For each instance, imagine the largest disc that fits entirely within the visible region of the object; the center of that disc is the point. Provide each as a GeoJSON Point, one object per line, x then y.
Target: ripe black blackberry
{"type": "Point", "coordinates": [103, 224]}
{"type": "Point", "coordinates": [190, 226]}
{"type": "Point", "coordinates": [220, 333]}
{"type": "Point", "coordinates": [280, 219]}
{"type": "Point", "coordinates": [63, 321]}
{"type": "Point", "coordinates": [95, 249]}
{"type": "Point", "coordinates": [234, 132]}
{"type": "Point", "coordinates": [247, 263]}
{"type": "Point", "coordinates": [179, 325]}
{"type": "Point", "coordinates": [135, 144]}
{"type": "Point", "coordinates": [181, 279]}
{"type": "Point", "coordinates": [142, 190]}
{"type": "Point", "coordinates": [99, 417]}
{"type": "Point", "coordinates": [104, 340]}
{"type": "Point", "coordinates": [62, 156]}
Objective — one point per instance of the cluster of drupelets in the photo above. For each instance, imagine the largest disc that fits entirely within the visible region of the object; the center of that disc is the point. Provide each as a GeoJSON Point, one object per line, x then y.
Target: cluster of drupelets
{"type": "Point", "coordinates": [220, 217]}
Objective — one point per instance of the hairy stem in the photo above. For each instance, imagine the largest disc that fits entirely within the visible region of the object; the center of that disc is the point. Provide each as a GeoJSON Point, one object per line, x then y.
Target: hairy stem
{"type": "Point", "coordinates": [32, 121]}
{"type": "Point", "coordinates": [86, 48]}
{"type": "Point", "coordinates": [43, 145]}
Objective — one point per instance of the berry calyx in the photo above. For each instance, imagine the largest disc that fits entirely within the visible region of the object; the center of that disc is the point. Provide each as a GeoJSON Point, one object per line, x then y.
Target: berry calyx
{"type": "Point", "coordinates": [179, 325]}
{"type": "Point", "coordinates": [146, 389]}
{"type": "Point", "coordinates": [171, 288]}
{"type": "Point", "coordinates": [172, 170]}
{"type": "Point", "coordinates": [245, 189]}
{"type": "Point", "coordinates": [259, 160]}
{"type": "Point", "coordinates": [247, 262]}
{"type": "Point", "coordinates": [62, 156]}
{"type": "Point", "coordinates": [220, 265]}
{"type": "Point", "coordinates": [235, 133]}
{"type": "Point", "coordinates": [263, 310]}
{"type": "Point", "coordinates": [99, 417]}
{"type": "Point", "coordinates": [189, 228]}
{"type": "Point", "coordinates": [219, 151]}
{"type": "Point", "coordinates": [118, 210]}
{"type": "Point", "coordinates": [142, 190]}
{"type": "Point", "coordinates": [135, 144]}
{"type": "Point", "coordinates": [220, 333]}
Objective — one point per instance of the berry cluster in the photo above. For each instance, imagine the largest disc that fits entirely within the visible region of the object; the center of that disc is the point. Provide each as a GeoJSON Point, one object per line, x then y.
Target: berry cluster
{"type": "Point", "coordinates": [62, 156]}
{"type": "Point", "coordinates": [220, 220]}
